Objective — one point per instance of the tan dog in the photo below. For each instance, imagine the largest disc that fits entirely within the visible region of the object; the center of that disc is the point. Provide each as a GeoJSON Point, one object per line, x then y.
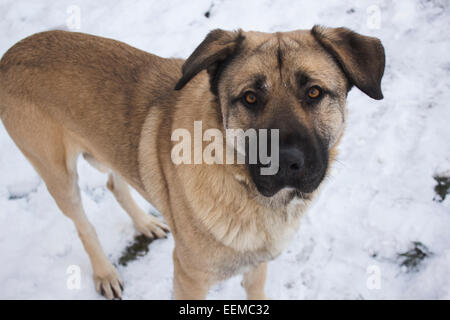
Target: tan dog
{"type": "Point", "coordinates": [64, 94]}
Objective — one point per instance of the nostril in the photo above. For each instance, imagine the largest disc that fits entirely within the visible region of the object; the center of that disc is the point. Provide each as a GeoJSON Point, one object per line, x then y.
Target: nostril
{"type": "Point", "coordinates": [292, 161]}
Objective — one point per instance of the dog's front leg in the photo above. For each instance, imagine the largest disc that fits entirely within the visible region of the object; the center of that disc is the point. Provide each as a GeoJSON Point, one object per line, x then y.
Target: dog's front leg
{"type": "Point", "coordinates": [188, 284]}
{"type": "Point", "coordinates": [254, 282]}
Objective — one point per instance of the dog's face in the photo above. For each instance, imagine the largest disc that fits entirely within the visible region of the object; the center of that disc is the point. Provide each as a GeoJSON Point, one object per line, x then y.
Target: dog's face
{"type": "Point", "coordinates": [296, 82]}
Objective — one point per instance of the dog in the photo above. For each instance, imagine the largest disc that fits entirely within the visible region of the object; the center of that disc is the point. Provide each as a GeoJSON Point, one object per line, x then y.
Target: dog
{"type": "Point", "coordinates": [65, 94]}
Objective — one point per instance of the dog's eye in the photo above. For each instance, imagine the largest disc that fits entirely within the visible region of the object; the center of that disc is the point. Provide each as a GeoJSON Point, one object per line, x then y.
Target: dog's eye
{"type": "Point", "coordinates": [250, 98]}
{"type": "Point", "coordinates": [314, 92]}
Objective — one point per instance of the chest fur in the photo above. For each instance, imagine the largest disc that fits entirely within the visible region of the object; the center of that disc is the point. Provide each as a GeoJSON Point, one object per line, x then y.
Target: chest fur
{"type": "Point", "coordinates": [255, 232]}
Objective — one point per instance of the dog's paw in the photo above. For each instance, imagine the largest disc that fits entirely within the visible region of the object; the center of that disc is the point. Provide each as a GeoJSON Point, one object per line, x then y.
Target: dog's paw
{"type": "Point", "coordinates": [109, 284]}
{"type": "Point", "coordinates": [152, 227]}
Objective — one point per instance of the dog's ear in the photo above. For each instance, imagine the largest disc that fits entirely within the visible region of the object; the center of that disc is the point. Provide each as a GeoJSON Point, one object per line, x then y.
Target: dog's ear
{"type": "Point", "coordinates": [217, 46]}
{"type": "Point", "coordinates": [360, 57]}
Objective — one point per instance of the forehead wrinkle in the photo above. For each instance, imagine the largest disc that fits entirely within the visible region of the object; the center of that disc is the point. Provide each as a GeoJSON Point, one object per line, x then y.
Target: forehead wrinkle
{"type": "Point", "coordinates": [270, 53]}
{"type": "Point", "coordinates": [279, 56]}
{"type": "Point", "coordinates": [256, 81]}
{"type": "Point", "coordinates": [308, 78]}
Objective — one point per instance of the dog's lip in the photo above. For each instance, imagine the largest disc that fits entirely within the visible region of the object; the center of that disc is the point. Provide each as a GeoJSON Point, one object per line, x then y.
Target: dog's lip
{"type": "Point", "coordinates": [304, 194]}
{"type": "Point", "coordinates": [266, 191]}
{"type": "Point", "coordinates": [310, 185]}
{"type": "Point", "coordinates": [305, 188]}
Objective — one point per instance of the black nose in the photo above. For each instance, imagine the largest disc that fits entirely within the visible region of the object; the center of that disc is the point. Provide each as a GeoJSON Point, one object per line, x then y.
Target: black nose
{"type": "Point", "coordinates": [292, 161]}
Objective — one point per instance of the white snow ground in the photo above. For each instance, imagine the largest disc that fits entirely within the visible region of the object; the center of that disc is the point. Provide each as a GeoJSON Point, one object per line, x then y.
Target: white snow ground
{"type": "Point", "coordinates": [378, 201]}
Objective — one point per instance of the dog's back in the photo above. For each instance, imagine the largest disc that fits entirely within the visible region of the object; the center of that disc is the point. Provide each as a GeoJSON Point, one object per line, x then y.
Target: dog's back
{"type": "Point", "coordinates": [72, 77]}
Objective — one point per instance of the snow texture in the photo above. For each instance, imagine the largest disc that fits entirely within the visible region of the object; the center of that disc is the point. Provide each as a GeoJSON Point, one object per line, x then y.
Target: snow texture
{"type": "Point", "coordinates": [377, 205]}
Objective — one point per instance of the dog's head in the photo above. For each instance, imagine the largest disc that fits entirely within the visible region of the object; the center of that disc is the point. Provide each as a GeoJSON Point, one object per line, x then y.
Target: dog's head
{"type": "Point", "coordinates": [296, 82]}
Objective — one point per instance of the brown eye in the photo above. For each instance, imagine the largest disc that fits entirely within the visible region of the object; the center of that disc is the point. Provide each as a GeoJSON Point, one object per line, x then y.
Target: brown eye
{"type": "Point", "coordinates": [250, 97]}
{"type": "Point", "coordinates": [314, 92]}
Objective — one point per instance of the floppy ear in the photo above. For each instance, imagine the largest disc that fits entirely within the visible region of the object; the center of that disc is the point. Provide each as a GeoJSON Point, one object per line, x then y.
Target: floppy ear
{"type": "Point", "coordinates": [360, 57]}
{"type": "Point", "coordinates": [216, 47]}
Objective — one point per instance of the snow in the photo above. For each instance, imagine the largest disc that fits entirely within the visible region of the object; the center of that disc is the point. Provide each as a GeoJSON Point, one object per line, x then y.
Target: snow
{"type": "Point", "coordinates": [376, 204]}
